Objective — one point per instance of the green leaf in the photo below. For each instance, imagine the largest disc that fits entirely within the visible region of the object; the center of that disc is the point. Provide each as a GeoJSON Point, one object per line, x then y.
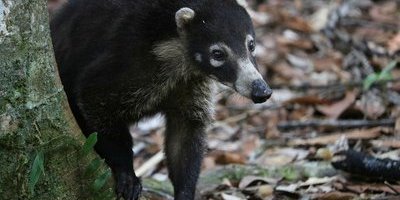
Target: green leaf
{"type": "Point", "coordinates": [290, 173]}
{"type": "Point", "coordinates": [36, 171]}
{"type": "Point", "coordinates": [371, 79]}
{"type": "Point", "coordinates": [101, 180]}
{"type": "Point", "coordinates": [89, 144]}
{"type": "Point", "coordinates": [384, 75]}
{"type": "Point", "coordinates": [92, 167]}
{"type": "Point", "coordinates": [389, 67]}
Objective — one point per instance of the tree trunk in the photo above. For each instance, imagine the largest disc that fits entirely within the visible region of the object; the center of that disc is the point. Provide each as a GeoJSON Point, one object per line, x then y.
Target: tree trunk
{"type": "Point", "coordinates": [34, 114]}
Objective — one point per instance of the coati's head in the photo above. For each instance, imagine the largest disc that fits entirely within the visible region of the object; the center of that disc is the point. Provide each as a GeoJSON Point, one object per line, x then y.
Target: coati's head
{"type": "Point", "coordinates": [221, 41]}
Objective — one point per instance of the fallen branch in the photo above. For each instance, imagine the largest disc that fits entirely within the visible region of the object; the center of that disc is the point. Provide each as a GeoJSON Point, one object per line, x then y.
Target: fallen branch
{"type": "Point", "coordinates": [347, 85]}
{"type": "Point", "coordinates": [150, 164]}
{"type": "Point", "coordinates": [364, 134]}
{"type": "Point", "coordinates": [336, 124]}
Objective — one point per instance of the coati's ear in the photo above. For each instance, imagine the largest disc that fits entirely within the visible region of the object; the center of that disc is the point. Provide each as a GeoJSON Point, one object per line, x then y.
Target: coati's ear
{"type": "Point", "coordinates": [183, 16]}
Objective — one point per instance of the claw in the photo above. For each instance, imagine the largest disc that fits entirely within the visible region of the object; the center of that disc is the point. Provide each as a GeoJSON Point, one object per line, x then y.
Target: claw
{"type": "Point", "coordinates": [128, 186]}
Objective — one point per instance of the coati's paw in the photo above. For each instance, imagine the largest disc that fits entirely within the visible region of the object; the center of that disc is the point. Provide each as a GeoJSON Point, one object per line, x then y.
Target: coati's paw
{"type": "Point", "coordinates": [128, 186]}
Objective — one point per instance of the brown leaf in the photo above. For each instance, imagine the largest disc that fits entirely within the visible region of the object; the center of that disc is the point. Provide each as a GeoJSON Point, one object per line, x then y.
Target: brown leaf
{"type": "Point", "coordinates": [394, 43]}
{"type": "Point", "coordinates": [299, 43]}
{"type": "Point", "coordinates": [265, 191]}
{"type": "Point", "coordinates": [317, 181]}
{"type": "Point", "coordinates": [362, 188]}
{"type": "Point", "coordinates": [281, 156]}
{"type": "Point", "coordinates": [307, 100]}
{"type": "Point", "coordinates": [295, 22]}
{"type": "Point", "coordinates": [335, 196]}
{"type": "Point", "coordinates": [324, 153]}
{"type": "Point", "coordinates": [229, 197]}
{"type": "Point", "coordinates": [333, 63]}
{"type": "Point", "coordinates": [208, 163]}
{"type": "Point", "coordinates": [372, 104]}
{"type": "Point", "coordinates": [250, 144]}
{"type": "Point", "coordinates": [224, 158]}
{"type": "Point", "coordinates": [249, 180]}
{"type": "Point", "coordinates": [285, 71]}
{"type": "Point", "coordinates": [384, 13]}
{"type": "Point", "coordinates": [386, 143]}
{"type": "Point", "coordinates": [335, 110]}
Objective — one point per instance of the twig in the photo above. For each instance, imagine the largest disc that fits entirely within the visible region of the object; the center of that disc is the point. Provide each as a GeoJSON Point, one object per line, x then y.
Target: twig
{"type": "Point", "coordinates": [138, 147]}
{"type": "Point", "coordinates": [355, 84]}
{"type": "Point", "coordinates": [351, 22]}
{"type": "Point", "coordinates": [336, 124]}
{"type": "Point", "coordinates": [151, 163]}
{"type": "Point", "coordinates": [273, 106]}
{"type": "Point", "coordinates": [392, 188]}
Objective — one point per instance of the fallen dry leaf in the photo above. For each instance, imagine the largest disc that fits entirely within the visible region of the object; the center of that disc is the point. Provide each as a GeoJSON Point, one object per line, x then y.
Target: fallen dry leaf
{"type": "Point", "coordinates": [264, 191]}
{"type": "Point", "coordinates": [372, 104]}
{"type": "Point", "coordinates": [287, 188]}
{"type": "Point", "coordinates": [335, 196]}
{"type": "Point", "coordinates": [208, 163]}
{"type": "Point", "coordinates": [362, 188]}
{"type": "Point", "coordinates": [386, 143]}
{"type": "Point", "coordinates": [336, 109]}
{"type": "Point", "coordinates": [295, 22]}
{"type": "Point", "coordinates": [251, 180]}
{"type": "Point", "coordinates": [319, 19]}
{"type": "Point", "coordinates": [293, 188]}
{"type": "Point", "coordinates": [394, 43]}
{"type": "Point", "coordinates": [225, 158]}
{"type": "Point", "coordinates": [229, 197]}
{"type": "Point", "coordinates": [297, 43]}
{"type": "Point", "coordinates": [384, 13]}
{"type": "Point", "coordinates": [331, 63]}
{"type": "Point", "coordinates": [284, 70]}
{"type": "Point", "coordinates": [307, 100]}
{"type": "Point", "coordinates": [281, 156]}
{"type": "Point", "coordinates": [317, 181]}
{"type": "Point", "coordinates": [250, 144]}
{"type": "Point", "coordinates": [324, 153]}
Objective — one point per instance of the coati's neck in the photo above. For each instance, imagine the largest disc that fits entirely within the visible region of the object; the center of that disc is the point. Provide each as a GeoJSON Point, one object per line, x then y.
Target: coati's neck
{"type": "Point", "coordinates": [177, 63]}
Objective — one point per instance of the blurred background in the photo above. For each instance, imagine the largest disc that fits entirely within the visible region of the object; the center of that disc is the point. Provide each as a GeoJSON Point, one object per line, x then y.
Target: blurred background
{"type": "Point", "coordinates": [333, 65]}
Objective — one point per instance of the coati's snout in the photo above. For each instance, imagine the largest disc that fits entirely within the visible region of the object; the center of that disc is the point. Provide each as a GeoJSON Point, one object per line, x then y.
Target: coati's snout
{"type": "Point", "coordinates": [260, 91]}
{"type": "Point", "coordinates": [249, 82]}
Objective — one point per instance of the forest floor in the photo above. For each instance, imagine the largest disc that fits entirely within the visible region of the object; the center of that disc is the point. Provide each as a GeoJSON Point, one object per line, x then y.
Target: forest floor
{"type": "Point", "coordinates": [332, 127]}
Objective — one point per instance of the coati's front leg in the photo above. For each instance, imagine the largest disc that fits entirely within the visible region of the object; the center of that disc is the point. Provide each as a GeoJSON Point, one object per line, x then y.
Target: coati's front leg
{"type": "Point", "coordinates": [115, 146]}
{"type": "Point", "coordinates": [185, 146]}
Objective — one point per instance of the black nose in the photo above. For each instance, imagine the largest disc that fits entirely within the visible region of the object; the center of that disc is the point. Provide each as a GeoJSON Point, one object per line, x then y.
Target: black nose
{"type": "Point", "coordinates": [260, 91]}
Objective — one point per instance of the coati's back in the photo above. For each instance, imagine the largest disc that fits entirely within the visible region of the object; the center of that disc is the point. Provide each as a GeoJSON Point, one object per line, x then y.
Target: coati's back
{"type": "Point", "coordinates": [98, 43]}
{"type": "Point", "coordinates": [87, 29]}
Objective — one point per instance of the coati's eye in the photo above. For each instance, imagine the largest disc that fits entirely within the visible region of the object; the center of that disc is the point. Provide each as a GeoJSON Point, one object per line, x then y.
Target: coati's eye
{"type": "Point", "coordinates": [218, 55]}
{"type": "Point", "coordinates": [252, 46]}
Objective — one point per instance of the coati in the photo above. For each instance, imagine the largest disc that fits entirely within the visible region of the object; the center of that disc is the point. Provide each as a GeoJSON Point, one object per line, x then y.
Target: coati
{"type": "Point", "coordinates": [123, 60]}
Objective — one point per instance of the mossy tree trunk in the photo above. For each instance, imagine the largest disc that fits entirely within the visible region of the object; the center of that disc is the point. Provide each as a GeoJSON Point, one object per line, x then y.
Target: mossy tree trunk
{"type": "Point", "coordinates": [34, 114]}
